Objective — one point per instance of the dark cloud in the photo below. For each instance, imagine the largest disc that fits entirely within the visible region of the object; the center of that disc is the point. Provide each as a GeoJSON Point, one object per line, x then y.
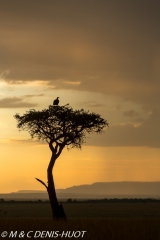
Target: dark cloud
{"type": "Point", "coordinates": [92, 104]}
{"type": "Point", "coordinates": [108, 46]}
{"type": "Point", "coordinates": [112, 47]}
{"type": "Point", "coordinates": [75, 40]}
{"type": "Point", "coordinates": [18, 102]}
{"type": "Point", "coordinates": [143, 133]}
{"type": "Point", "coordinates": [130, 113]}
{"type": "Point", "coordinates": [15, 102]}
{"type": "Point", "coordinates": [31, 95]}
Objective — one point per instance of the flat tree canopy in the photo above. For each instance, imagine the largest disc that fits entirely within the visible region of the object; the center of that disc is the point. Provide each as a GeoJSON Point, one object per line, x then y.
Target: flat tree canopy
{"type": "Point", "coordinates": [61, 125]}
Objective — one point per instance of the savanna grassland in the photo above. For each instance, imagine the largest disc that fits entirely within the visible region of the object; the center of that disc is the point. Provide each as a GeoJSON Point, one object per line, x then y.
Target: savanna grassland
{"type": "Point", "coordinates": [111, 221]}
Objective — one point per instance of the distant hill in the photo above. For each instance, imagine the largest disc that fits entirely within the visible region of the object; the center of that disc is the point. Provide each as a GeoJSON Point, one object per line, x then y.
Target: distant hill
{"type": "Point", "coordinates": [116, 188]}
{"type": "Point", "coordinates": [30, 191]}
{"type": "Point", "coordinates": [95, 190]}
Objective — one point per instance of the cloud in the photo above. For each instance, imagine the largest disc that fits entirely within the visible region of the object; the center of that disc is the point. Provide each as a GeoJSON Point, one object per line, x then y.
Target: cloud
{"type": "Point", "coordinates": [26, 141]}
{"type": "Point", "coordinates": [92, 104]}
{"type": "Point", "coordinates": [110, 47]}
{"type": "Point", "coordinates": [72, 83]}
{"type": "Point", "coordinates": [4, 74]}
{"type": "Point", "coordinates": [130, 113]}
{"type": "Point", "coordinates": [32, 95]}
{"type": "Point", "coordinates": [15, 102]}
{"type": "Point", "coordinates": [145, 134]}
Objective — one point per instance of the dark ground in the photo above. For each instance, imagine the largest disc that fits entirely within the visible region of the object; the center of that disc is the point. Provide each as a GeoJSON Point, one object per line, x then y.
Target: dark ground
{"type": "Point", "coordinates": [112, 209]}
{"type": "Point", "coordinates": [110, 221]}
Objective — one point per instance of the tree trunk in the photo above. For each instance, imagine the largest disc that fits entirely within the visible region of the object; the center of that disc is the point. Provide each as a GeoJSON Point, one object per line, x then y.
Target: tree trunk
{"type": "Point", "coordinates": [57, 209]}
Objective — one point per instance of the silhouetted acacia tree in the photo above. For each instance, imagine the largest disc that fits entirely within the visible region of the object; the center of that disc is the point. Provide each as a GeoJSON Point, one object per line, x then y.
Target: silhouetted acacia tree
{"type": "Point", "coordinates": [59, 126]}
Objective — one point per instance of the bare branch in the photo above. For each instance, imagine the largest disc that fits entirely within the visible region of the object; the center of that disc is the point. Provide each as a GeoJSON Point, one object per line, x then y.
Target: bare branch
{"type": "Point", "coordinates": [51, 146]}
{"type": "Point", "coordinates": [41, 182]}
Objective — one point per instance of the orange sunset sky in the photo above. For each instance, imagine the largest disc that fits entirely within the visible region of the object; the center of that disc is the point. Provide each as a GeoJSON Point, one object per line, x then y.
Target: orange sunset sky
{"type": "Point", "coordinates": [100, 55]}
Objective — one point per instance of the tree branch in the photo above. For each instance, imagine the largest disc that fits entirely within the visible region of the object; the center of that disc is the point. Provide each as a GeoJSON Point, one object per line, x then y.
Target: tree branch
{"type": "Point", "coordinates": [41, 182]}
{"type": "Point", "coordinates": [51, 146]}
{"type": "Point", "coordinates": [61, 146]}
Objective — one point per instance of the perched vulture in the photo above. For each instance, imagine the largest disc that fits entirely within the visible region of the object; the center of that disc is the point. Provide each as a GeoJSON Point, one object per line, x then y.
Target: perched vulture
{"type": "Point", "coordinates": [56, 101]}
